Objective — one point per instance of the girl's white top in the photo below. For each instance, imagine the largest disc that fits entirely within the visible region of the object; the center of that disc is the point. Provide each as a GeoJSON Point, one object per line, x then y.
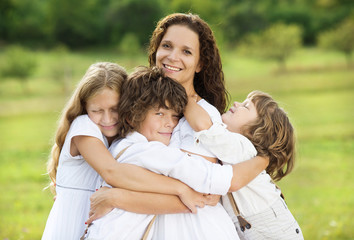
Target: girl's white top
{"type": "Point", "coordinates": [76, 180]}
{"type": "Point", "coordinates": [195, 171]}
{"type": "Point", "coordinates": [210, 222]}
{"type": "Point", "coordinates": [232, 148]}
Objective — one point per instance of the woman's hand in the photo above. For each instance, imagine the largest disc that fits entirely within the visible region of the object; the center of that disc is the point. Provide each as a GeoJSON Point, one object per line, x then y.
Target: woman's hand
{"type": "Point", "coordinates": [193, 199]}
{"type": "Point", "coordinates": [212, 199]}
{"type": "Point", "coordinates": [100, 205]}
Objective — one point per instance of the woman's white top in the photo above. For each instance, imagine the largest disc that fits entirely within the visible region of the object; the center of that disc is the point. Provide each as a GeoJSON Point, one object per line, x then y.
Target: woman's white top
{"type": "Point", "coordinates": [75, 182]}
{"type": "Point", "coordinates": [183, 134]}
{"type": "Point", "coordinates": [195, 171]}
{"type": "Point", "coordinates": [210, 222]}
{"type": "Point", "coordinates": [232, 148]}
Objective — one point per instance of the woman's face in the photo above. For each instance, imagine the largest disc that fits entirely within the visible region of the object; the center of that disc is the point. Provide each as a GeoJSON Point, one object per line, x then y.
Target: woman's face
{"type": "Point", "coordinates": [178, 54]}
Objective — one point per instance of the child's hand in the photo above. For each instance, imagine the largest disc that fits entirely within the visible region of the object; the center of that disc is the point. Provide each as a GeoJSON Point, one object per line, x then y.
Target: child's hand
{"type": "Point", "coordinates": [193, 199]}
{"type": "Point", "coordinates": [212, 199]}
{"type": "Point", "coordinates": [99, 204]}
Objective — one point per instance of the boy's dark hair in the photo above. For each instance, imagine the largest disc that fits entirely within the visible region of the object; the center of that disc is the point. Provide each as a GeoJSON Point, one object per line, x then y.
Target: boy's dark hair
{"type": "Point", "coordinates": [147, 88]}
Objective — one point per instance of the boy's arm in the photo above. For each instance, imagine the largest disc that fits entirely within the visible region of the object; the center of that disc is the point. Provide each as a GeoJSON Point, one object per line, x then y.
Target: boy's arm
{"type": "Point", "coordinates": [130, 176]}
{"type": "Point", "coordinates": [196, 116]}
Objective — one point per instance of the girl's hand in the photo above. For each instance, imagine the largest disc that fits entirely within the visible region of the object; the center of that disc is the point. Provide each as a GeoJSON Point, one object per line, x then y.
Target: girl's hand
{"type": "Point", "coordinates": [192, 199]}
{"type": "Point", "coordinates": [100, 205]}
{"type": "Point", "coordinates": [212, 199]}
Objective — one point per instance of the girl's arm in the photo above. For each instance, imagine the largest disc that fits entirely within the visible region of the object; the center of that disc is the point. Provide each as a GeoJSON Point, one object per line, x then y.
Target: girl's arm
{"type": "Point", "coordinates": [132, 177]}
{"type": "Point", "coordinates": [105, 199]}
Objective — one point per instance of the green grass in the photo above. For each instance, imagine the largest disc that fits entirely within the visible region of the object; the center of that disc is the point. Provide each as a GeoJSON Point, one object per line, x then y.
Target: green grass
{"type": "Point", "coordinates": [317, 92]}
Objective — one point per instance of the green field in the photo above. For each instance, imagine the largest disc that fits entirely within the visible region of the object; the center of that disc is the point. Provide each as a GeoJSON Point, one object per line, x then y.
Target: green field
{"type": "Point", "coordinates": [317, 92]}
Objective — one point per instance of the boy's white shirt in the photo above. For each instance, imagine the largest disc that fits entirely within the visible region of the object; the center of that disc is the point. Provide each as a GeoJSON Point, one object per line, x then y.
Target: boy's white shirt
{"type": "Point", "coordinates": [193, 170]}
{"type": "Point", "coordinates": [232, 148]}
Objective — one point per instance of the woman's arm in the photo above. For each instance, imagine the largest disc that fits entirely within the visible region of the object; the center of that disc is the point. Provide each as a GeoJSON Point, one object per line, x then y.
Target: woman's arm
{"type": "Point", "coordinates": [132, 177]}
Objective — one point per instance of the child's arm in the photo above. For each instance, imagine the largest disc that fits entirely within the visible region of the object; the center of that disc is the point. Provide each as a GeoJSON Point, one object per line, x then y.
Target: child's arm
{"type": "Point", "coordinates": [246, 171]}
{"type": "Point", "coordinates": [130, 176]}
{"type": "Point", "coordinates": [196, 116]}
{"type": "Point", "coordinates": [105, 199]}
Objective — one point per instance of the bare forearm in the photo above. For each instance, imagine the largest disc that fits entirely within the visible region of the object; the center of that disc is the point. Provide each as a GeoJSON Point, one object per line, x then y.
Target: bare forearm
{"type": "Point", "coordinates": [135, 178]}
{"type": "Point", "coordinates": [245, 172]}
{"type": "Point", "coordinates": [145, 203]}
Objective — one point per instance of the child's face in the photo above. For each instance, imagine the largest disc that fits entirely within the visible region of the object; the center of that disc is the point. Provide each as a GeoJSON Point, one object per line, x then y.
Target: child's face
{"type": "Point", "coordinates": [239, 115]}
{"type": "Point", "coordinates": [159, 124]}
{"type": "Point", "coordinates": [102, 110]}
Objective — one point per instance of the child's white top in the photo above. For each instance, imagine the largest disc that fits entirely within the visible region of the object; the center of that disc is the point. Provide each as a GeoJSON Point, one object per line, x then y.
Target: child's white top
{"type": "Point", "coordinates": [195, 171]}
{"type": "Point", "coordinates": [233, 148]}
{"type": "Point", "coordinates": [209, 223]}
{"type": "Point", "coordinates": [183, 134]}
{"type": "Point", "coordinates": [75, 182]}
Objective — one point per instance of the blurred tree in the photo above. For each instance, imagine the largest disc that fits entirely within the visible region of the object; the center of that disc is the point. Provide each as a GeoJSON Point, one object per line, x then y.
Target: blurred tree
{"type": "Point", "coordinates": [78, 23]}
{"type": "Point", "coordinates": [18, 63]}
{"type": "Point", "coordinates": [24, 21]}
{"type": "Point", "coordinates": [341, 38]}
{"type": "Point", "coordinates": [129, 44]}
{"type": "Point", "coordinates": [62, 69]}
{"type": "Point", "coordinates": [277, 42]}
{"type": "Point", "coordinates": [132, 16]}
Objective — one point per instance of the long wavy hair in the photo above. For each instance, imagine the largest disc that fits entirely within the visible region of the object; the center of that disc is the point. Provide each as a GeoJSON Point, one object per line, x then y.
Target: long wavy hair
{"type": "Point", "coordinates": [99, 76]}
{"type": "Point", "coordinates": [209, 82]}
{"type": "Point", "coordinates": [272, 134]}
{"type": "Point", "coordinates": [147, 88]}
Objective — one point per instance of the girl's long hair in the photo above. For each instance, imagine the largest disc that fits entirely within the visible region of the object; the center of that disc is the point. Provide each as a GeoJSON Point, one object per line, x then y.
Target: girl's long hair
{"type": "Point", "coordinates": [209, 82]}
{"type": "Point", "coordinates": [99, 76]}
{"type": "Point", "coordinates": [272, 134]}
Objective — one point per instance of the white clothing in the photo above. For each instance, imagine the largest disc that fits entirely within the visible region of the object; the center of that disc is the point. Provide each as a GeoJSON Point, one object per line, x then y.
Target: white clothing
{"type": "Point", "coordinates": [274, 223]}
{"type": "Point", "coordinates": [258, 196]}
{"type": "Point", "coordinates": [183, 134]}
{"type": "Point", "coordinates": [195, 171]}
{"type": "Point", "coordinates": [75, 182]}
{"type": "Point", "coordinates": [210, 222]}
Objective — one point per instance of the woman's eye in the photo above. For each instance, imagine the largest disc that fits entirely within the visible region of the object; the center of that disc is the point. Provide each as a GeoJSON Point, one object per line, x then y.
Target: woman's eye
{"type": "Point", "coordinates": [187, 52]}
{"type": "Point", "coordinates": [165, 45]}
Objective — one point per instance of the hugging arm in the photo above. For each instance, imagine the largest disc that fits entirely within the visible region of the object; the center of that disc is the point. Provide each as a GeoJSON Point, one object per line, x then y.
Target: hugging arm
{"type": "Point", "coordinates": [228, 147]}
{"type": "Point", "coordinates": [132, 177]}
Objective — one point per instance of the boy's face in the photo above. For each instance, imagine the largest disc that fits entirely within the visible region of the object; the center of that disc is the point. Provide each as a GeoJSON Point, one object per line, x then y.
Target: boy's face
{"type": "Point", "coordinates": [239, 115]}
{"type": "Point", "coordinates": [159, 124]}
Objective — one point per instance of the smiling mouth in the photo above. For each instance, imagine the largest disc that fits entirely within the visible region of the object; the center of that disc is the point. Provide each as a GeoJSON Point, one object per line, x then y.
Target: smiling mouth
{"type": "Point", "coordinates": [168, 67]}
{"type": "Point", "coordinates": [109, 127]}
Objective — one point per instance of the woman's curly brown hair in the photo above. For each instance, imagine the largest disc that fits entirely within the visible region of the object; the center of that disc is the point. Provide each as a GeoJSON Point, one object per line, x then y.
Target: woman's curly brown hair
{"type": "Point", "coordinates": [272, 134]}
{"type": "Point", "coordinates": [147, 88]}
{"type": "Point", "coordinates": [209, 82]}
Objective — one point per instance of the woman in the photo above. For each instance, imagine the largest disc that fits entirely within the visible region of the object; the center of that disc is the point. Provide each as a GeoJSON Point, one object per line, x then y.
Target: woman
{"type": "Point", "coordinates": [182, 45]}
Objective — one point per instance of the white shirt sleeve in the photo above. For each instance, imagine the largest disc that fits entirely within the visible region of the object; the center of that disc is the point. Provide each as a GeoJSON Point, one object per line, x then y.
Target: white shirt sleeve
{"type": "Point", "coordinates": [228, 146]}
{"type": "Point", "coordinates": [198, 173]}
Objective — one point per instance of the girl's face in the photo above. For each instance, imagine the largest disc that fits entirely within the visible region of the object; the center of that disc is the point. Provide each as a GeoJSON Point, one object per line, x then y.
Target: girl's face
{"type": "Point", "coordinates": [102, 110]}
{"type": "Point", "coordinates": [159, 124]}
{"type": "Point", "coordinates": [178, 54]}
{"type": "Point", "coordinates": [239, 115]}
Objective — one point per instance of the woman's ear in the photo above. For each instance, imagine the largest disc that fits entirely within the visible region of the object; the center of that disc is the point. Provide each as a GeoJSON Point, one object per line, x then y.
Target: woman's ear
{"type": "Point", "coordinates": [199, 67]}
